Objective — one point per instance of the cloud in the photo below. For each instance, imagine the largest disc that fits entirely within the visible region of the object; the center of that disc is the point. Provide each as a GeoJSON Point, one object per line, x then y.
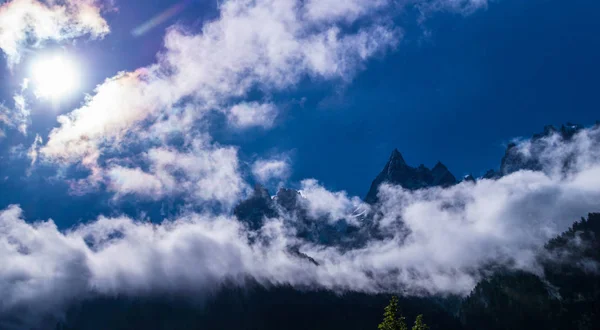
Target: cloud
{"type": "Point", "coordinates": [321, 202]}
{"type": "Point", "coordinates": [555, 155]}
{"type": "Point", "coordinates": [250, 114]}
{"type": "Point", "coordinates": [213, 68]}
{"type": "Point", "coordinates": [464, 7]}
{"type": "Point", "coordinates": [202, 173]}
{"type": "Point", "coordinates": [219, 65]}
{"type": "Point", "coordinates": [351, 10]}
{"type": "Point", "coordinates": [5, 118]}
{"type": "Point", "coordinates": [434, 241]}
{"type": "Point", "coordinates": [17, 117]}
{"type": "Point", "coordinates": [265, 170]}
{"type": "Point", "coordinates": [126, 181]}
{"type": "Point", "coordinates": [29, 23]}
{"type": "Point", "coordinates": [33, 151]}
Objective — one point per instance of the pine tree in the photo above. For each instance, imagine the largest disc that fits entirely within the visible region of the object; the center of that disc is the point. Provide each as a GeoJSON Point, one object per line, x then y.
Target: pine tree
{"type": "Point", "coordinates": [391, 318]}
{"type": "Point", "coordinates": [419, 325]}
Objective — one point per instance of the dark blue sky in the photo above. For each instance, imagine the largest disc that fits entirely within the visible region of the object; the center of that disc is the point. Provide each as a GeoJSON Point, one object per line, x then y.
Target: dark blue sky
{"type": "Point", "coordinates": [457, 94]}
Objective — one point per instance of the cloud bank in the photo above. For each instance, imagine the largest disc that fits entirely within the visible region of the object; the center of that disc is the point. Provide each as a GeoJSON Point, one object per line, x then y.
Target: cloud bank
{"type": "Point", "coordinates": [436, 240]}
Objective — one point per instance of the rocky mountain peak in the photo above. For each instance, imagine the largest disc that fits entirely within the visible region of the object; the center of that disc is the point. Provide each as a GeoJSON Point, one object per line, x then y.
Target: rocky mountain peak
{"type": "Point", "coordinates": [439, 167]}
{"type": "Point", "coordinates": [442, 176]}
{"type": "Point", "coordinates": [397, 171]}
{"type": "Point", "coordinates": [396, 158]}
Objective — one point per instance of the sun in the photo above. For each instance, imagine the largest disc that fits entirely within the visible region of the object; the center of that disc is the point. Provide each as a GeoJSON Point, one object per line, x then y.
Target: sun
{"type": "Point", "coordinates": [54, 76]}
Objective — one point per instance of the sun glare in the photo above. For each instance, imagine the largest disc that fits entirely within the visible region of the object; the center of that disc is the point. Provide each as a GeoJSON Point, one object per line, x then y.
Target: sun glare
{"type": "Point", "coordinates": [54, 76]}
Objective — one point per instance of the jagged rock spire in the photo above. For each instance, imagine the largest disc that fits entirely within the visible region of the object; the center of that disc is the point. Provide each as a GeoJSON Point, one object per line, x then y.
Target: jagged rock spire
{"type": "Point", "coordinates": [396, 171]}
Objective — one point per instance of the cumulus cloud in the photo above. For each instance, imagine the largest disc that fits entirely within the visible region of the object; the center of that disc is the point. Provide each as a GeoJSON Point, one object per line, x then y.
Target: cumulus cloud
{"type": "Point", "coordinates": [265, 170]}
{"type": "Point", "coordinates": [201, 173]}
{"type": "Point", "coordinates": [250, 114]}
{"type": "Point", "coordinates": [126, 181]}
{"type": "Point", "coordinates": [30, 22]}
{"type": "Point", "coordinates": [207, 174]}
{"type": "Point", "coordinates": [210, 69]}
{"type": "Point", "coordinates": [436, 240]}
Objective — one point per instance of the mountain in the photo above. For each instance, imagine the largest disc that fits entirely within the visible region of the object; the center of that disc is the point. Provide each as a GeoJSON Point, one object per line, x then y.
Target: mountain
{"type": "Point", "coordinates": [289, 205]}
{"type": "Point", "coordinates": [254, 307]}
{"type": "Point", "coordinates": [515, 160]}
{"type": "Point", "coordinates": [396, 171]}
{"type": "Point", "coordinates": [469, 178]}
{"type": "Point", "coordinates": [565, 296]}
{"type": "Point", "coordinates": [258, 207]}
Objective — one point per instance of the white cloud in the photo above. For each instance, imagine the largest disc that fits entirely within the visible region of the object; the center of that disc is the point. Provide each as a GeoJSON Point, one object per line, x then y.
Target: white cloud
{"type": "Point", "coordinates": [269, 45]}
{"type": "Point", "coordinates": [557, 156]}
{"type": "Point", "coordinates": [33, 151]}
{"type": "Point", "coordinates": [459, 6]}
{"type": "Point", "coordinates": [107, 116]}
{"type": "Point", "coordinates": [222, 62]}
{"type": "Point", "coordinates": [334, 205]}
{"type": "Point", "coordinates": [5, 118]}
{"type": "Point", "coordinates": [436, 241]}
{"type": "Point", "coordinates": [265, 170]}
{"type": "Point", "coordinates": [250, 114]}
{"type": "Point", "coordinates": [350, 10]}
{"type": "Point", "coordinates": [134, 181]}
{"type": "Point", "coordinates": [201, 173]}
{"type": "Point", "coordinates": [30, 22]}
{"type": "Point", "coordinates": [444, 252]}
{"type": "Point", "coordinates": [204, 173]}
{"type": "Point", "coordinates": [16, 117]}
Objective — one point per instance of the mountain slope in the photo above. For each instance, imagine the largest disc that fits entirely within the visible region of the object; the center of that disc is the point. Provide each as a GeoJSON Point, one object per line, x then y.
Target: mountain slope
{"type": "Point", "coordinates": [567, 296]}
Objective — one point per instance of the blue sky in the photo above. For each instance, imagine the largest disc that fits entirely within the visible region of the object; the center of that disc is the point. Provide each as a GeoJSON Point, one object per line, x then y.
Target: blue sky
{"type": "Point", "coordinates": [456, 88]}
